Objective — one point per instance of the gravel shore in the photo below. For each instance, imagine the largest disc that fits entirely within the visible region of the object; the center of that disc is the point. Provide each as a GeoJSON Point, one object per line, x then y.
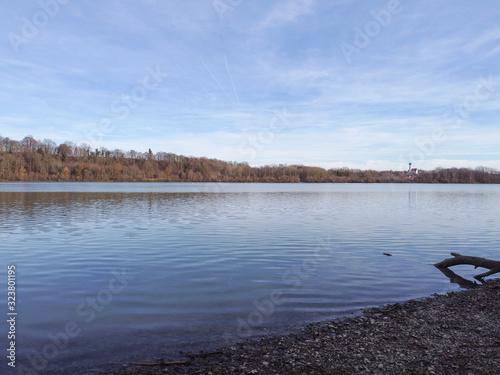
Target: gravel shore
{"type": "Point", "coordinates": [455, 333]}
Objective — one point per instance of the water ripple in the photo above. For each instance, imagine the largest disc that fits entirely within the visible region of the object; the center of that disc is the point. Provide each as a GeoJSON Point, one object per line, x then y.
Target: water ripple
{"type": "Point", "coordinates": [203, 261]}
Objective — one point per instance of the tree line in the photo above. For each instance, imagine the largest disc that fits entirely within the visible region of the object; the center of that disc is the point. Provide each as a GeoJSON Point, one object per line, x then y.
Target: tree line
{"type": "Point", "coordinates": [34, 160]}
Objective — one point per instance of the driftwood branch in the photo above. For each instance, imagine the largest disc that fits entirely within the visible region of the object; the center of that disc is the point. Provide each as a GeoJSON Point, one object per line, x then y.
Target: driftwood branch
{"type": "Point", "coordinates": [492, 265]}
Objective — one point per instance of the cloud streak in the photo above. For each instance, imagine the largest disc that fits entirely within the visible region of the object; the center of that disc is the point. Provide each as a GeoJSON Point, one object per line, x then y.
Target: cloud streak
{"type": "Point", "coordinates": [224, 78]}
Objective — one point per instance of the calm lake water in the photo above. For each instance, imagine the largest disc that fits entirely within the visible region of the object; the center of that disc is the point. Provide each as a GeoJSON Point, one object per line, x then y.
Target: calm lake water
{"type": "Point", "coordinates": [133, 272]}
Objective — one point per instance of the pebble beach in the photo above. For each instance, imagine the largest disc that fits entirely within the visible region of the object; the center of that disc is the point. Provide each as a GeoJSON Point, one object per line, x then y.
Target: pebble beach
{"type": "Point", "coordinates": [454, 333]}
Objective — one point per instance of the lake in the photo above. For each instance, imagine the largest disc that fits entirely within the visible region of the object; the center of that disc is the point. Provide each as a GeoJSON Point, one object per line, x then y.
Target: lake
{"type": "Point", "coordinates": [117, 272]}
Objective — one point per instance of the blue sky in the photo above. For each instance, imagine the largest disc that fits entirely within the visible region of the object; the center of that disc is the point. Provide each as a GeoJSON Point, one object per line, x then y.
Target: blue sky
{"type": "Point", "coordinates": [328, 83]}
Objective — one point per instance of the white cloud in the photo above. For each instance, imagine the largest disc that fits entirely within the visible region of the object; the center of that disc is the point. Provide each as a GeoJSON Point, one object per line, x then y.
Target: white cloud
{"type": "Point", "coordinates": [225, 77]}
{"type": "Point", "coordinates": [284, 13]}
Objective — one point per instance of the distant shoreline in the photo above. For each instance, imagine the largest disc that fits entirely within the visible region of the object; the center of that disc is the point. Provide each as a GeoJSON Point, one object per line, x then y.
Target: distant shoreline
{"type": "Point", "coordinates": [246, 182]}
{"type": "Point", "coordinates": [31, 160]}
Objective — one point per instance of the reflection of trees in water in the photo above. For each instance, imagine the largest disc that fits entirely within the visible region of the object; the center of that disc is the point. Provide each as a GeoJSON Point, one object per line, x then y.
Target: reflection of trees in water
{"type": "Point", "coordinates": [29, 210]}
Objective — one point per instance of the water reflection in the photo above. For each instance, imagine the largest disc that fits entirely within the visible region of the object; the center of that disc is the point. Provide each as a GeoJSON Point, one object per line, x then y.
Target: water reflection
{"type": "Point", "coordinates": [456, 279]}
{"type": "Point", "coordinates": [412, 200]}
{"type": "Point", "coordinates": [201, 260]}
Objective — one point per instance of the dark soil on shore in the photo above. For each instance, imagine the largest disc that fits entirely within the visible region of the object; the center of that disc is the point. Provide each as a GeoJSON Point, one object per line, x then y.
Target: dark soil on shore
{"type": "Point", "coordinates": [455, 333]}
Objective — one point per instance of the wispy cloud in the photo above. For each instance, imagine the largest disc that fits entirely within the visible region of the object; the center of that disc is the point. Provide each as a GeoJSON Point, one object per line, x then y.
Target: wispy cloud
{"type": "Point", "coordinates": [284, 13]}
{"type": "Point", "coordinates": [224, 78]}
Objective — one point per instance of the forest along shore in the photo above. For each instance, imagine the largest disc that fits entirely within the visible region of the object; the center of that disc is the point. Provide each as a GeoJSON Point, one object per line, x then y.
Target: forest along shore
{"type": "Point", "coordinates": [454, 333]}
{"type": "Point", "coordinates": [31, 160]}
